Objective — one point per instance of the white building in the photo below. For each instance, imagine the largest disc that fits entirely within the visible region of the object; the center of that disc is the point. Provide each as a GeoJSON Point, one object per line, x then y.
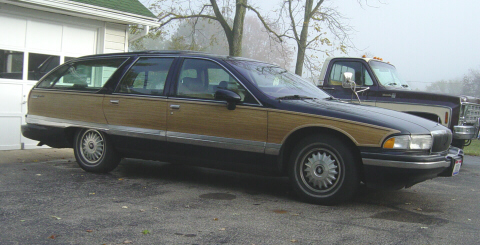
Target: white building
{"type": "Point", "coordinates": [37, 35]}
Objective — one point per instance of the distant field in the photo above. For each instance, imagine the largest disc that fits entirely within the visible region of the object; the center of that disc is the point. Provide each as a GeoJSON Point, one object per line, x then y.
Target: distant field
{"type": "Point", "coordinates": [473, 149]}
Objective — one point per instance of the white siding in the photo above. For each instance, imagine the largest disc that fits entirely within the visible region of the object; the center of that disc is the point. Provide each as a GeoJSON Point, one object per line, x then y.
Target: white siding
{"type": "Point", "coordinates": [16, 29]}
{"type": "Point", "coordinates": [44, 36]}
{"type": "Point", "coordinates": [115, 38]}
{"type": "Point", "coordinates": [78, 39]}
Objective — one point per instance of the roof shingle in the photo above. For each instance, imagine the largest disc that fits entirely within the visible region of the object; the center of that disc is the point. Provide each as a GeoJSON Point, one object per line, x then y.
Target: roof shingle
{"type": "Point", "coordinates": [129, 6]}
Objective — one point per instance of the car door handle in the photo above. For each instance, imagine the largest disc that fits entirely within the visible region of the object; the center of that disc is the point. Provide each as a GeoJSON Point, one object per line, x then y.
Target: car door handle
{"type": "Point", "coordinates": [328, 88]}
{"type": "Point", "coordinates": [115, 101]}
{"type": "Point", "coordinates": [175, 107]}
{"type": "Point", "coordinates": [37, 96]}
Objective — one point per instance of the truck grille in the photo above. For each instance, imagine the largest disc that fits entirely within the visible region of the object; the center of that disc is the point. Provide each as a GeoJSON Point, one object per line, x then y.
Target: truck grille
{"type": "Point", "coordinates": [471, 113]}
{"type": "Point", "coordinates": [441, 140]}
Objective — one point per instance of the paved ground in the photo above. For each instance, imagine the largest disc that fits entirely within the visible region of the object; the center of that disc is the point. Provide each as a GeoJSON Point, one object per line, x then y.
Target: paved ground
{"type": "Point", "coordinates": [47, 199]}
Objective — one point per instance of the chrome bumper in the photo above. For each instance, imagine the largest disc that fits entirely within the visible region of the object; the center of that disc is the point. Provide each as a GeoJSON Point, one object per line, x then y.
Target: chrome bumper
{"type": "Point", "coordinates": [465, 132]}
{"type": "Point", "coordinates": [407, 165]}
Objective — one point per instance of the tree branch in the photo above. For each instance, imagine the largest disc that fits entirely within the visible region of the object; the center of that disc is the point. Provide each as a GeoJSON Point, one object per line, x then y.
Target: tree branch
{"type": "Point", "coordinates": [220, 18]}
{"type": "Point", "coordinates": [181, 17]}
{"type": "Point", "coordinates": [267, 26]}
{"type": "Point", "coordinates": [316, 8]}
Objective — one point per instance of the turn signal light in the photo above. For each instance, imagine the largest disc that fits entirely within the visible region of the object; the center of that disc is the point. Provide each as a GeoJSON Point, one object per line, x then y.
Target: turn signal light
{"type": "Point", "coordinates": [389, 143]}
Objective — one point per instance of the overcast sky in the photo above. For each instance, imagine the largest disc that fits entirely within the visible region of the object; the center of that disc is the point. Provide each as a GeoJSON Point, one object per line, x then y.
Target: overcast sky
{"type": "Point", "coordinates": [427, 40]}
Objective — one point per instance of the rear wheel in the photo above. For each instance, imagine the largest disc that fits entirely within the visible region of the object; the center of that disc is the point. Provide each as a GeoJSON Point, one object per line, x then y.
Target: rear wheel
{"type": "Point", "coordinates": [324, 170]}
{"type": "Point", "coordinates": [94, 151]}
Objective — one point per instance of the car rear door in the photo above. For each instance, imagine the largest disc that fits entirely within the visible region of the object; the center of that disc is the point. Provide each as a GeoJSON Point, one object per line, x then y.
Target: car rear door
{"type": "Point", "coordinates": [136, 110]}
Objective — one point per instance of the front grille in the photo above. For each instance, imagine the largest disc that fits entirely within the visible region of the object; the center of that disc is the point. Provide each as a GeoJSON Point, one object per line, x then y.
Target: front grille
{"type": "Point", "coordinates": [471, 113]}
{"type": "Point", "coordinates": [441, 140]}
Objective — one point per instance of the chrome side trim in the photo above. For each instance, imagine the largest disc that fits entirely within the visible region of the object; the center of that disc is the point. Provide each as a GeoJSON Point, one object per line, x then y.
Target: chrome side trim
{"type": "Point", "coordinates": [272, 149]}
{"type": "Point", "coordinates": [217, 142]}
{"type": "Point", "coordinates": [154, 134]}
{"type": "Point", "coordinates": [111, 129]}
{"type": "Point", "coordinates": [62, 123]}
{"type": "Point", "coordinates": [144, 133]}
{"type": "Point", "coordinates": [407, 165]}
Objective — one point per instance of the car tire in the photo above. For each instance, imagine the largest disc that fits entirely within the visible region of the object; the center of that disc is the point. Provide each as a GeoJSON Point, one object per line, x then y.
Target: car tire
{"type": "Point", "coordinates": [94, 151]}
{"type": "Point", "coordinates": [324, 170]}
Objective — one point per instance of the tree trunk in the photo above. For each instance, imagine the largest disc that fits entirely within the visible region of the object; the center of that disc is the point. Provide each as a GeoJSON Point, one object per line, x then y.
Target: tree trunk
{"type": "Point", "coordinates": [236, 46]}
{"type": "Point", "coordinates": [302, 43]}
{"type": "Point", "coordinates": [235, 34]}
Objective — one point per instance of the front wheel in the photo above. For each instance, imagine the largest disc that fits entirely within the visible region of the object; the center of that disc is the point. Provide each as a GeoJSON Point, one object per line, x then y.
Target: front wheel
{"type": "Point", "coordinates": [94, 151]}
{"type": "Point", "coordinates": [324, 170]}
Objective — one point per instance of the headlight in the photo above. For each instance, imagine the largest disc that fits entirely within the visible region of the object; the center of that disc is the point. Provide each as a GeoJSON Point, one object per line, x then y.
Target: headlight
{"type": "Point", "coordinates": [412, 142]}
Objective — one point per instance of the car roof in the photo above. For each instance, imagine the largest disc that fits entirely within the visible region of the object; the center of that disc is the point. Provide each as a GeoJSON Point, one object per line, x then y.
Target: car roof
{"type": "Point", "coordinates": [170, 52]}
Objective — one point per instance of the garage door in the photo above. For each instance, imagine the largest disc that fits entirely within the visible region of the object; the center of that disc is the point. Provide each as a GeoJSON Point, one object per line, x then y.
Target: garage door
{"type": "Point", "coordinates": [32, 48]}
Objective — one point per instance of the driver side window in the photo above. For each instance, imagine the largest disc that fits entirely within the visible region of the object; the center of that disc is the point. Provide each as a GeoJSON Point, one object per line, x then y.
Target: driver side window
{"type": "Point", "coordinates": [202, 78]}
{"type": "Point", "coordinates": [360, 74]}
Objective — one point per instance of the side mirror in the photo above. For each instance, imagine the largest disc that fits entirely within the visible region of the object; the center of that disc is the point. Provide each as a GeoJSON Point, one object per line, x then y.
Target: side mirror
{"type": "Point", "coordinates": [230, 97]}
{"type": "Point", "coordinates": [348, 83]}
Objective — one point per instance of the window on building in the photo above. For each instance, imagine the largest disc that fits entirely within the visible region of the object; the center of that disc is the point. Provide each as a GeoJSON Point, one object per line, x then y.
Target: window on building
{"type": "Point", "coordinates": [11, 64]}
{"type": "Point", "coordinates": [41, 64]}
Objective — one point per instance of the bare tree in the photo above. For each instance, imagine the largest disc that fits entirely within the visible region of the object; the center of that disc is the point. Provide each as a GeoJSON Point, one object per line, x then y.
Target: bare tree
{"type": "Point", "coordinates": [471, 83]}
{"type": "Point", "coordinates": [306, 23]}
{"type": "Point", "coordinates": [199, 35]}
{"type": "Point", "coordinates": [452, 87]}
{"type": "Point", "coordinates": [181, 9]}
{"type": "Point", "coordinates": [258, 45]}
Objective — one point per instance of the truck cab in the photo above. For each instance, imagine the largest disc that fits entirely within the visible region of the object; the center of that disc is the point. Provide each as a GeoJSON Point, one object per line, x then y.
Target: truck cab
{"type": "Point", "coordinates": [377, 83]}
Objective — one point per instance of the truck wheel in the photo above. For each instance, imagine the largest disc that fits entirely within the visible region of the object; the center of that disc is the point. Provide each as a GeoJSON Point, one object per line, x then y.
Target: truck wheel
{"type": "Point", "coordinates": [324, 170]}
{"type": "Point", "coordinates": [94, 152]}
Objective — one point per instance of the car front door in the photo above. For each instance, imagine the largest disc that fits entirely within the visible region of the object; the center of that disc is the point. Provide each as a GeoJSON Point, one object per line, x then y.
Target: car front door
{"type": "Point", "coordinates": [364, 84]}
{"type": "Point", "coordinates": [201, 128]}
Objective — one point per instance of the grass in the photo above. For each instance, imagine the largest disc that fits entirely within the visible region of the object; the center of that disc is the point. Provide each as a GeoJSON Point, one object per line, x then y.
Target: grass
{"type": "Point", "coordinates": [473, 149]}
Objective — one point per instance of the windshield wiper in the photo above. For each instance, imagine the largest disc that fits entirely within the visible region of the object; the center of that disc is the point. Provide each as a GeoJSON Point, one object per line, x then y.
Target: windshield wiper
{"type": "Point", "coordinates": [295, 97]}
{"type": "Point", "coordinates": [331, 98]}
{"type": "Point", "coordinates": [392, 84]}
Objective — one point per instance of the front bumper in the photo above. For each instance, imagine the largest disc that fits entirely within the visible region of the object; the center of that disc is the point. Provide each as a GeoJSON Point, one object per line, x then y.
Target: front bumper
{"type": "Point", "coordinates": [465, 132]}
{"type": "Point", "coordinates": [396, 171]}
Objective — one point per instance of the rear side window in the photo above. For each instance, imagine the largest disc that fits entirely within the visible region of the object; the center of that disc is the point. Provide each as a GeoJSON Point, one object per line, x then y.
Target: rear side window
{"type": "Point", "coordinates": [89, 75]}
{"type": "Point", "coordinates": [146, 77]}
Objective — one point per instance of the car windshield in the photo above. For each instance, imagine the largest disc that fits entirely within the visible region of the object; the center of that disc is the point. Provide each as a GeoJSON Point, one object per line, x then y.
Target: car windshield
{"type": "Point", "coordinates": [277, 82]}
{"type": "Point", "coordinates": [387, 75]}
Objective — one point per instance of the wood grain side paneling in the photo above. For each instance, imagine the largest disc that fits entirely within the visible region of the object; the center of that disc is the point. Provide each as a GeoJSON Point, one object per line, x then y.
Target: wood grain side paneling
{"type": "Point", "coordinates": [65, 105]}
{"type": "Point", "coordinates": [138, 112]}
{"type": "Point", "coordinates": [282, 124]}
{"type": "Point", "coordinates": [214, 119]}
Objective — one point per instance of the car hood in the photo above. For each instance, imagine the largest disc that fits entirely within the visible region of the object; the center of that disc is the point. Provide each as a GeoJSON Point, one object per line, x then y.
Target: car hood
{"type": "Point", "coordinates": [426, 97]}
{"type": "Point", "coordinates": [405, 123]}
